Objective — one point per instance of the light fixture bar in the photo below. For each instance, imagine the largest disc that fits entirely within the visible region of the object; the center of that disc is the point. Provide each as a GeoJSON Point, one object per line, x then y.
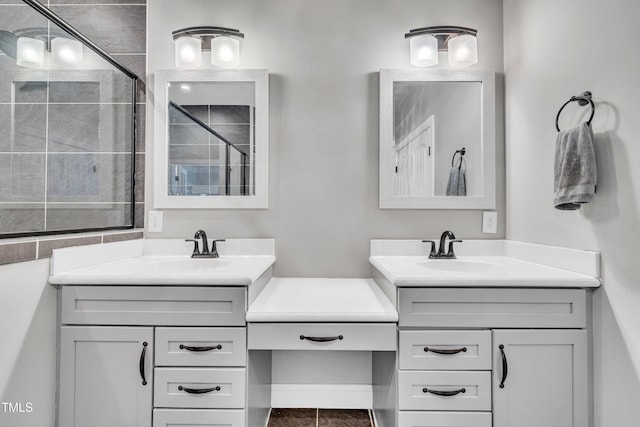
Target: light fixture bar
{"type": "Point", "coordinates": [442, 33]}
{"type": "Point", "coordinates": [206, 32]}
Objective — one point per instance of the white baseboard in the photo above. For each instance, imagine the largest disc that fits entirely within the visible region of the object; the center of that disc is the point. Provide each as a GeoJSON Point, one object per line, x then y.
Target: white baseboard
{"type": "Point", "coordinates": [329, 396]}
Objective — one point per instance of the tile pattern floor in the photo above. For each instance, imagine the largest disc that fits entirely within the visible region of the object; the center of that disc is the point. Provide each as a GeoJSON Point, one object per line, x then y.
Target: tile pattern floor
{"type": "Point", "coordinates": [305, 417]}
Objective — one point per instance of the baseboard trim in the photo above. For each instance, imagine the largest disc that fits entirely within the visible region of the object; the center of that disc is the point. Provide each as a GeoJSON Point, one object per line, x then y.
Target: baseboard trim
{"type": "Point", "coordinates": [329, 396]}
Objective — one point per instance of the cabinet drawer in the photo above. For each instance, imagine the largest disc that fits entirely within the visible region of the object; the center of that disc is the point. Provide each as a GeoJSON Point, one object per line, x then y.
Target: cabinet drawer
{"type": "Point", "coordinates": [201, 346]}
{"type": "Point", "coordinates": [198, 417]}
{"type": "Point", "coordinates": [492, 308]}
{"type": "Point", "coordinates": [444, 419]}
{"type": "Point", "coordinates": [199, 388]}
{"type": "Point", "coordinates": [310, 336]}
{"type": "Point", "coordinates": [445, 350]}
{"type": "Point", "coordinates": [153, 305]}
{"type": "Point", "coordinates": [416, 390]}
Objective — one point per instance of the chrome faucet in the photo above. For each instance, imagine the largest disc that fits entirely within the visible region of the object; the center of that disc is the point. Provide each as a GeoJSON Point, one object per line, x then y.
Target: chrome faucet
{"type": "Point", "coordinates": [206, 253]}
{"type": "Point", "coordinates": [441, 254]}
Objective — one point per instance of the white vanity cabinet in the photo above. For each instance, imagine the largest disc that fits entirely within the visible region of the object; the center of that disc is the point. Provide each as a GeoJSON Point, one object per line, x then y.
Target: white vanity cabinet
{"type": "Point", "coordinates": [498, 357]}
{"type": "Point", "coordinates": [152, 356]}
{"type": "Point", "coordinates": [105, 376]}
{"type": "Point", "coordinates": [546, 378]}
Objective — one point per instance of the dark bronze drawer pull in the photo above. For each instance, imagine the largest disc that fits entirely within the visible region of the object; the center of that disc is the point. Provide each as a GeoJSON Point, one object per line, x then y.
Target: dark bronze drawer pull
{"type": "Point", "coordinates": [444, 393]}
{"type": "Point", "coordinates": [198, 390]}
{"type": "Point", "coordinates": [142, 362]}
{"type": "Point", "coordinates": [505, 366]}
{"type": "Point", "coordinates": [195, 348]}
{"type": "Point", "coordinates": [321, 339]}
{"type": "Point", "coordinates": [440, 351]}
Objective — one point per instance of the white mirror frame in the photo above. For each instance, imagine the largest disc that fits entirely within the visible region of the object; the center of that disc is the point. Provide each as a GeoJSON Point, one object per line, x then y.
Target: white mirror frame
{"type": "Point", "coordinates": [488, 117]}
{"type": "Point", "coordinates": [260, 200]}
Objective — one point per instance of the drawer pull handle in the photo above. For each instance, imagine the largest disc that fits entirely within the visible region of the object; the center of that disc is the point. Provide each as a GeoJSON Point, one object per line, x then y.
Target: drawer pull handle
{"type": "Point", "coordinates": [441, 351]}
{"type": "Point", "coordinates": [321, 339]}
{"type": "Point", "coordinates": [198, 390]}
{"type": "Point", "coordinates": [195, 348]}
{"type": "Point", "coordinates": [142, 361]}
{"type": "Point", "coordinates": [505, 366]}
{"type": "Point", "coordinates": [444, 393]}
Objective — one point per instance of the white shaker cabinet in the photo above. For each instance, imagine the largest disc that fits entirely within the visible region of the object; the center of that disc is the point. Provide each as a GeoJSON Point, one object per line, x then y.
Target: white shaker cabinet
{"type": "Point", "coordinates": [105, 376]}
{"type": "Point", "coordinates": [540, 378]}
{"type": "Point", "coordinates": [539, 372]}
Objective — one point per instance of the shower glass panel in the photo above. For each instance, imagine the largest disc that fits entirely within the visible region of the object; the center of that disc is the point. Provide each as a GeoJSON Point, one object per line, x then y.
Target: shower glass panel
{"type": "Point", "coordinates": [67, 129]}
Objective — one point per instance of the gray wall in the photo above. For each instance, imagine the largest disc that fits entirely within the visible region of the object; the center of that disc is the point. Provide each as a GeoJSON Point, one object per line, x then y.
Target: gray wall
{"type": "Point", "coordinates": [323, 59]}
{"type": "Point", "coordinates": [553, 51]}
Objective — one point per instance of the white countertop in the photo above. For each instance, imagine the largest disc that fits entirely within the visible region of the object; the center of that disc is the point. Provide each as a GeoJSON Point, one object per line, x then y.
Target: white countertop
{"type": "Point", "coordinates": [485, 263]}
{"type": "Point", "coordinates": [171, 270]}
{"type": "Point", "coordinates": [476, 271]}
{"type": "Point", "coordinates": [162, 262]}
{"type": "Point", "coordinates": [321, 300]}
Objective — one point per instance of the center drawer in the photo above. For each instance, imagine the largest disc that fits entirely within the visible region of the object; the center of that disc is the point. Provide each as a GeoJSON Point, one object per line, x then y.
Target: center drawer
{"type": "Point", "coordinates": [322, 336]}
{"type": "Point", "coordinates": [201, 346]}
{"type": "Point", "coordinates": [444, 390]}
{"type": "Point", "coordinates": [445, 350]}
{"type": "Point", "coordinates": [199, 388]}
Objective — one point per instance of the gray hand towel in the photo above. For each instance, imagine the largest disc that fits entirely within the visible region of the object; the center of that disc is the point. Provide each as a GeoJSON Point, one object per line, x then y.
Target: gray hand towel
{"type": "Point", "coordinates": [575, 173]}
{"type": "Point", "coordinates": [456, 186]}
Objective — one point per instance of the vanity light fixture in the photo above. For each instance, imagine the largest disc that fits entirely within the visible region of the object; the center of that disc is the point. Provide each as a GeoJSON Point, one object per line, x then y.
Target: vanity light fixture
{"type": "Point", "coordinates": [30, 52]}
{"type": "Point", "coordinates": [460, 42]}
{"type": "Point", "coordinates": [66, 52]}
{"type": "Point", "coordinates": [223, 43]}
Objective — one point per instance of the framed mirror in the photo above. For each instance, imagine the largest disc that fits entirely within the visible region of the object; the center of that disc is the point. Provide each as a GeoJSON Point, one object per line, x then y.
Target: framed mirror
{"type": "Point", "coordinates": [212, 139]}
{"type": "Point", "coordinates": [437, 139]}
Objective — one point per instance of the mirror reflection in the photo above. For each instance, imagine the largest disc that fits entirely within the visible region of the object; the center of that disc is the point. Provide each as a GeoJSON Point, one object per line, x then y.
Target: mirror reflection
{"type": "Point", "coordinates": [437, 138]}
{"type": "Point", "coordinates": [211, 138]}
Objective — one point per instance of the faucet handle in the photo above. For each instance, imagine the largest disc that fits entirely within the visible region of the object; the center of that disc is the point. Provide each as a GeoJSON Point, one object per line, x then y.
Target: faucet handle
{"type": "Point", "coordinates": [214, 249]}
{"type": "Point", "coordinates": [450, 252]}
{"type": "Point", "coordinates": [433, 247]}
{"type": "Point", "coordinates": [196, 247]}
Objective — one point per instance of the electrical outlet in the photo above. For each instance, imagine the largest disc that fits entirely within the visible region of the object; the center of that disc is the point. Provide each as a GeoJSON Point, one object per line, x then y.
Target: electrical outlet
{"type": "Point", "coordinates": [155, 221]}
{"type": "Point", "coordinates": [489, 222]}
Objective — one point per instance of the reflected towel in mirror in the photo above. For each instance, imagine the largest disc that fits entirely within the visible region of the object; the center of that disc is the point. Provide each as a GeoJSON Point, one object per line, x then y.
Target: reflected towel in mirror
{"type": "Point", "coordinates": [457, 185]}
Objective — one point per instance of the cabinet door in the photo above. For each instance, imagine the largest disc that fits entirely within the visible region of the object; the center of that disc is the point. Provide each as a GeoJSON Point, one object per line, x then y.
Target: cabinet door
{"type": "Point", "coordinates": [545, 378]}
{"type": "Point", "coordinates": [101, 376]}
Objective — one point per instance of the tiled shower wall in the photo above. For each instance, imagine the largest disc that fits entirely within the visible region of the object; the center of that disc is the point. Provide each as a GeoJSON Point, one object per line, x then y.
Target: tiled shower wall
{"type": "Point", "coordinates": [119, 28]}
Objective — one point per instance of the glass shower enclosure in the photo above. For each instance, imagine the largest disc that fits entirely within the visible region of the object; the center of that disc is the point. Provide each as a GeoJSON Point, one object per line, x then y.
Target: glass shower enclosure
{"type": "Point", "coordinates": [67, 129]}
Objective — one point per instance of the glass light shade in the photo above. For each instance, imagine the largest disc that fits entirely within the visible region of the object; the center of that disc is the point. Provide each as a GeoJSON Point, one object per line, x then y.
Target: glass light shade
{"type": "Point", "coordinates": [66, 52]}
{"type": "Point", "coordinates": [188, 51]}
{"type": "Point", "coordinates": [463, 51]}
{"type": "Point", "coordinates": [30, 52]}
{"type": "Point", "coordinates": [225, 52]}
{"type": "Point", "coordinates": [424, 50]}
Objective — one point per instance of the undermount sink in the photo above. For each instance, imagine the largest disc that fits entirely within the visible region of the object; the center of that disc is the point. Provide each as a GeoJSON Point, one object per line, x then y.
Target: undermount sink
{"type": "Point", "coordinates": [459, 265]}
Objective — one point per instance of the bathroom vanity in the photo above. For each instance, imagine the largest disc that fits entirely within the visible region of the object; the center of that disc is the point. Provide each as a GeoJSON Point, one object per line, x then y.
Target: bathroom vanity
{"type": "Point", "coordinates": [151, 337]}
{"type": "Point", "coordinates": [493, 338]}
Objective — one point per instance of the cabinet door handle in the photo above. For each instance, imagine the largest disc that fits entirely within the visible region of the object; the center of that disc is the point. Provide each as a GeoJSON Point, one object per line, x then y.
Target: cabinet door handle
{"type": "Point", "coordinates": [321, 339]}
{"type": "Point", "coordinates": [505, 366]}
{"type": "Point", "coordinates": [441, 351]}
{"type": "Point", "coordinates": [444, 393]}
{"type": "Point", "coordinates": [198, 390]}
{"type": "Point", "coordinates": [142, 361]}
{"type": "Point", "coordinates": [196, 348]}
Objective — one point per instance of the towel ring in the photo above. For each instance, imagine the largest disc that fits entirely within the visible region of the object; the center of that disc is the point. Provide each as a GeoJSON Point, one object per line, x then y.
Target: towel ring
{"type": "Point", "coordinates": [462, 152]}
{"type": "Point", "coordinates": [582, 100]}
